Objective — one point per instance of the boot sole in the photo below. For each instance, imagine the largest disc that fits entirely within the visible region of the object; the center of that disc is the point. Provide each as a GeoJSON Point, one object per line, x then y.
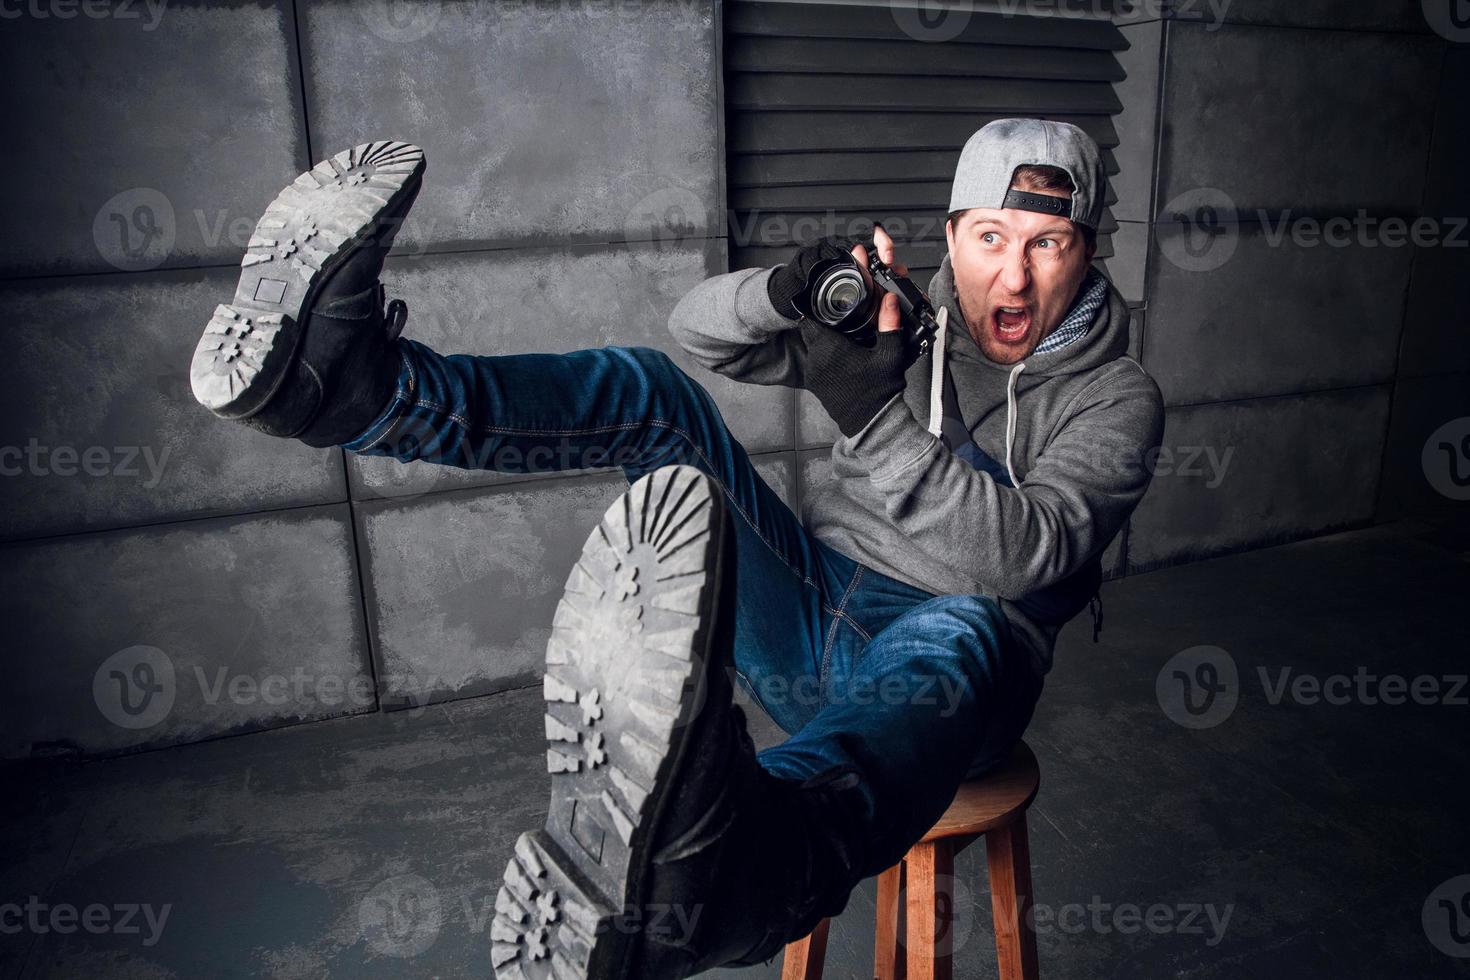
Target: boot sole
{"type": "Point", "coordinates": [626, 674]}
{"type": "Point", "coordinates": [305, 235]}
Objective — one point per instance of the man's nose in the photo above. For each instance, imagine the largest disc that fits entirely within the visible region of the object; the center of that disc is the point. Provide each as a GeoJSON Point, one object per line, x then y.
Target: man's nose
{"type": "Point", "coordinates": [1015, 273]}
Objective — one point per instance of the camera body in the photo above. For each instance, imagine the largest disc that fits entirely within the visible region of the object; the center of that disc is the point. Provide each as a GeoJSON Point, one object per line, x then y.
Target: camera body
{"type": "Point", "coordinates": [839, 296]}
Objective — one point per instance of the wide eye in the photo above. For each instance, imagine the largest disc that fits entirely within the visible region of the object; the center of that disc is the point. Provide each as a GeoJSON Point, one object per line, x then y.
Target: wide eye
{"type": "Point", "coordinates": [990, 238]}
{"type": "Point", "coordinates": [1047, 243]}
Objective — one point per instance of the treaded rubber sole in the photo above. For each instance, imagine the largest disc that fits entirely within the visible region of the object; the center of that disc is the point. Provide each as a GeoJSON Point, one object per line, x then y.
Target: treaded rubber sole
{"type": "Point", "coordinates": [625, 676]}
{"type": "Point", "coordinates": [303, 237]}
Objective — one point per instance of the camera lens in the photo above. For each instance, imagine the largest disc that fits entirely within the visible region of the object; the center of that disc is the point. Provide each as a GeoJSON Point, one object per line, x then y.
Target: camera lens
{"type": "Point", "coordinates": [838, 293]}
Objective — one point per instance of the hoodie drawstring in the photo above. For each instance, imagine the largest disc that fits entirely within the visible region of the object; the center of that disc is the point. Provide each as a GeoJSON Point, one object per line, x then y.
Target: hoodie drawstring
{"type": "Point", "coordinates": [1011, 419]}
{"type": "Point", "coordinates": [936, 393]}
{"type": "Point", "coordinates": [936, 376]}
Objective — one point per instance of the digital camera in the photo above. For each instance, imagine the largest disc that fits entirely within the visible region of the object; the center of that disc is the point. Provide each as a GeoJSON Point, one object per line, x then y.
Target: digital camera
{"type": "Point", "coordinates": [839, 296]}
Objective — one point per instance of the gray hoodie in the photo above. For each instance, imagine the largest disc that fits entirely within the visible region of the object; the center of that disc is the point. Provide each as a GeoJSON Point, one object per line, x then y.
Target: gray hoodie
{"type": "Point", "coordinates": [1074, 428]}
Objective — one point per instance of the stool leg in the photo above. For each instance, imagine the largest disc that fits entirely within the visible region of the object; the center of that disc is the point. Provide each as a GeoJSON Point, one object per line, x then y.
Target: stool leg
{"type": "Point", "coordinates": [886, 964]}
{"type": "Point", "coordinates": [929, 868]}
{"type": "Point", "coordinates": [803, 959]}
{"type": "Point", "coordinates": [1009, 855]}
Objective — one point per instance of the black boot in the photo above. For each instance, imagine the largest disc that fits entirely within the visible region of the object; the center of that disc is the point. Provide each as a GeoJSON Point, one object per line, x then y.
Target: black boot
{"type": "Point", "coordinates": [668, 850]}
{"type": "Point", "coordinates": [305, 348]}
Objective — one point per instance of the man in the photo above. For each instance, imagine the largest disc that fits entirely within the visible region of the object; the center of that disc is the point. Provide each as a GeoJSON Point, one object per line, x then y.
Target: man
{"type": "Point", "coordinates": [900, 635]}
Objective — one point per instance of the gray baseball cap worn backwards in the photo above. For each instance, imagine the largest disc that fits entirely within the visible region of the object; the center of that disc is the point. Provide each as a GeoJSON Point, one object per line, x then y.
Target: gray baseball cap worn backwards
{"type": "Point", "coordinates": [983, 177]}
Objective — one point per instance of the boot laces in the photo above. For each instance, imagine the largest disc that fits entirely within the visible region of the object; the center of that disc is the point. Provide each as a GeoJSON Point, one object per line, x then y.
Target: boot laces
{"type": "Point", "coordinates": [395, 317]}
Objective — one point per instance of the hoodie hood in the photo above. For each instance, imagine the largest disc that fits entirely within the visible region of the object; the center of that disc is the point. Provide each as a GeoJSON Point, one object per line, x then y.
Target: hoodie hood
{"type": "Point", "coordinates": [1105, 340]}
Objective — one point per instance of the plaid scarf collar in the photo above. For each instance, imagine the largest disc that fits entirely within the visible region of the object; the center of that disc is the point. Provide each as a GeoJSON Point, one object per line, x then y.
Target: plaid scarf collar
{"type": "Point", "coordinates": [1079, 320]}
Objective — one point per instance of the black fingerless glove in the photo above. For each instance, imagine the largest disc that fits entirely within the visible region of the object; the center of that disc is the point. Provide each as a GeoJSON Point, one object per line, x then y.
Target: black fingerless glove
{"type": "Point", "coordinates": [789, 281]}
{"type": "Point", "coordinates": [852, 381]}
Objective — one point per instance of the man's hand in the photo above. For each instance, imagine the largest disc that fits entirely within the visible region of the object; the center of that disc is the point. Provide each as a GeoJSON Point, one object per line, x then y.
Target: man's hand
{"type": "Point", "coordinates": [854, 382]}
{"type": "Point", "coordinates": [888, 315]}
{"type": "Point", "coordinates": [789, 281]}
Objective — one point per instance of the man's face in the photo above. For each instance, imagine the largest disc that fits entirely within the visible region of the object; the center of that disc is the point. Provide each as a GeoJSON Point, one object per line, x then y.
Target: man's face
{"type": "Point", "coordinates": [1016, 274]}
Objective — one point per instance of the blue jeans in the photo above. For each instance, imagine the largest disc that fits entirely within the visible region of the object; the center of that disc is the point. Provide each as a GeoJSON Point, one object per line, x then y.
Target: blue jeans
{"type": "Point", "coordinates": [917, 691]}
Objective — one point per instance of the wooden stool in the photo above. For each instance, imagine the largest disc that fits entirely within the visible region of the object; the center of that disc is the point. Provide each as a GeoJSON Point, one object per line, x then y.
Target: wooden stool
{"type": "Point", "coordinates": [993, 806]}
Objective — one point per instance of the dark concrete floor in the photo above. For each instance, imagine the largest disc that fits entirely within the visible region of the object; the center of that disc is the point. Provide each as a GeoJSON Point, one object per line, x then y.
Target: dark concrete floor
{"type": "Point", "coordinates": [1320, 830]}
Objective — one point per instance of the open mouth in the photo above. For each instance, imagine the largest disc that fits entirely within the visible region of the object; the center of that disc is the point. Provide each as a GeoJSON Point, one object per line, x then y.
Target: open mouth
{"type": "Point", "coordinates": [1010, 323]}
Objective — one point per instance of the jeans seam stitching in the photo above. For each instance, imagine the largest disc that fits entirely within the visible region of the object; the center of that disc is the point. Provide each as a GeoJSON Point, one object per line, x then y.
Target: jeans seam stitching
{"type": "Point", "coordinates": [399, 395]}
{"type": "Point", "coordinates": [840, 614]}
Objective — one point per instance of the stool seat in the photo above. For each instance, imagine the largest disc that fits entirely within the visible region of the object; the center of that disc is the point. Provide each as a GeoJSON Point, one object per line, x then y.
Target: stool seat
{"type": "Point", "coordinates": [993, 806]}
{"type": "Point", "coordinates": [992, 800]}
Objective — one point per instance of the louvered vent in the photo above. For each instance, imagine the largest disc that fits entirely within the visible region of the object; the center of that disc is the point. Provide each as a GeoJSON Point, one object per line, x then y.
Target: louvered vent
{"type": "Point", "coordinates": [834, 116]}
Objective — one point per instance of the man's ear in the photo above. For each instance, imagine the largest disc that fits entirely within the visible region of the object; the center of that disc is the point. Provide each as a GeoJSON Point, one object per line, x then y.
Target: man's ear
{"type": "Point", "coordinates": [949, 234]}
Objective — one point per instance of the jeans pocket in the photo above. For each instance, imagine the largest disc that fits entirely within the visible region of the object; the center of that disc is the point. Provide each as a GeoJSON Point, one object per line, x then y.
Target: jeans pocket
{"type": "Point", "coordinates": [750, 690]}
